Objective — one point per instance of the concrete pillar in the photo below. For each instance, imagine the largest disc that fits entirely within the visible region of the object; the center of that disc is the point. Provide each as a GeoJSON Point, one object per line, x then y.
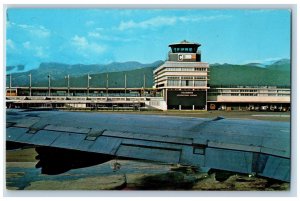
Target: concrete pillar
{"type": "Point", "coordinates": [166, 97]}
{"type": "Point", "coordinates": [193, 107]}
{"type": "Point", "coordinates": [179, 107]}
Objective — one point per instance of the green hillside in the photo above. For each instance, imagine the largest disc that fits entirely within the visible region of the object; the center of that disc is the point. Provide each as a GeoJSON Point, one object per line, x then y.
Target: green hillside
{"type": "Point", "coordinates": [135, 78]}
{"type": "Point", "coordinates": [228, 74]}
{"type": "Point", "coordinates": [78, 74]}
{"type": "Point", "coordinates": [276, 74]}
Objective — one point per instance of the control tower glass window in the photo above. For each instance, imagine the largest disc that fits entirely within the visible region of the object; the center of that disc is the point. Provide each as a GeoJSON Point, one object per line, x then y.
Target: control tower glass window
{"type": "Point", "coordinates": [184, 49]}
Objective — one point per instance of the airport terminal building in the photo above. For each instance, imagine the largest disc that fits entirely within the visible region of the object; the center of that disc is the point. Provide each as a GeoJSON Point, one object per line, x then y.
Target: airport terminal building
{"type": "Point", "coordinates": [183, 77]}
{"type": "Point", "coordinates": [182, 82]}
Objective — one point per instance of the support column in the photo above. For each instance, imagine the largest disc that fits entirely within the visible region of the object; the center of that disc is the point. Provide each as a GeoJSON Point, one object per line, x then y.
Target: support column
{"type": "Point", "coordinates": [166, 95]}
{"type": "Point", "coordinates": [205, 99]}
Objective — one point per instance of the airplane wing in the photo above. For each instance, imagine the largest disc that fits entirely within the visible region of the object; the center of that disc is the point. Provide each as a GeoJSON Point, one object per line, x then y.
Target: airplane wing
{"type": "Point", "coordinates": [244, 146]}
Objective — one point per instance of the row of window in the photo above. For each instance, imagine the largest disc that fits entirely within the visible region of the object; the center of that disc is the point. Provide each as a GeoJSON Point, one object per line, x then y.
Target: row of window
{"type": "Point", "coordinates": [184, 49]}
{"type": "Point", "coordinates": [200, 69]}
{"type": "Point", "coordinates": [236, 94]}
{"type": "Point", "coordinates": [248, 90]}
{"type": "Point", "coordinates": [191, 83]}
{"type": "Point", "coordinates": [187, 78]}
{"type": "Point", "coordinates": [185, 69]}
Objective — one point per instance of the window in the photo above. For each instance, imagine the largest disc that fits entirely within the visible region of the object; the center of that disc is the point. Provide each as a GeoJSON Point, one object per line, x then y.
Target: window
{"type": "Point", "coordinates": [200, 69]}
{"type": "Point", "coordinates": [186, 78]}
{"type": "Point", "coordinates": [173, 78]}
{"type": "Point", "coordinates": [173, 69]}
{"type": "Point", "coordinates": [200, 83]}
{"type": "Point", "coordinates": [200, 78]}
{"type": "Point", "coordinates": [187, 69]}
{"type": "Point", "coordinates": [173, 83]}
{"type": "Point", "coordinates": [186, 83]}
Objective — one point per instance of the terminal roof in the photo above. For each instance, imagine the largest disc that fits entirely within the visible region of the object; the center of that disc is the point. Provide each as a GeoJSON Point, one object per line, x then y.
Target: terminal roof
{"type": "Point", "coordinates": [185, 42]}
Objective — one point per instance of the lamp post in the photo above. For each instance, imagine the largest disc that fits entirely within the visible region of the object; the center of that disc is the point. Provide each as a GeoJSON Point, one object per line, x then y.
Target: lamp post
{"type": "Point", "coordinates": [29, 84]}
{"type": "Point", "coordinates": [125, 83]}
{"type": "Point", "coordinates": [106, 84]}
{"type": "Point", "coordinates": [68, 81]}
{"type": "Point", "coordinates": [49, 85]}
{"type": "Point", "coordinates": [10, 84]}
{"type": "Point", "coordinates": [88, 87]}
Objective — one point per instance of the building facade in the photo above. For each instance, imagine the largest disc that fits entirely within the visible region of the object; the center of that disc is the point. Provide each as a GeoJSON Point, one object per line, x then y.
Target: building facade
{"type": "Point", "coordinates": [182, 79]}
{"type": "Point", "coordinates": [271, 98]}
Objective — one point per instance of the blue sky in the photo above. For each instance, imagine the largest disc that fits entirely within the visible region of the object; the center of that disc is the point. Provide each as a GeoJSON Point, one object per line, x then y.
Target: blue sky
{"type": "Point", "coordinates": [90, 36]}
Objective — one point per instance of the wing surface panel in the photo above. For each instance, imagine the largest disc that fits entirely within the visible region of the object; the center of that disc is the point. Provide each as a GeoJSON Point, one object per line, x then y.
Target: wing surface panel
{"type": "Point", "coordinates": [235, 145]}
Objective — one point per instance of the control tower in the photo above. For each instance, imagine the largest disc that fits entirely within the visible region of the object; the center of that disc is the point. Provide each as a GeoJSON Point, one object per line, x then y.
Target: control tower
{"type": "Point", "coordinates": [184, 51]}
{"type": "Point", "coordinates": [182, 79]}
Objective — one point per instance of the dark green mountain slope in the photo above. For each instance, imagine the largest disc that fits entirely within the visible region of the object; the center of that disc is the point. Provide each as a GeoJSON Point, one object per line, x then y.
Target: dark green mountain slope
{"type": "Point", "coordinates": [58, 73]}
{"type": "Point", "coordinates": [276, 74]}
{"type": "Point", "coordinates": [282, 65]}
{"type": "Point", "coordinates": [244, 75]}
{"type": "Point", "coordinates": [135, 78]}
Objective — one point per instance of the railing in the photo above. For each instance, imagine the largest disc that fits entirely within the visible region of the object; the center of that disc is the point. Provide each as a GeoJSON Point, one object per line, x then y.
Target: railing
{"type": "Point", "coordinates": [250, 86]}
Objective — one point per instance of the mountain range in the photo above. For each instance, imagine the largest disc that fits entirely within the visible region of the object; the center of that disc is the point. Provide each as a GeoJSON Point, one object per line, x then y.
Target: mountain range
{"type": "Point", "coordinates": [77, 73]}
{"type": "Point", "coordinates": [275, 74]}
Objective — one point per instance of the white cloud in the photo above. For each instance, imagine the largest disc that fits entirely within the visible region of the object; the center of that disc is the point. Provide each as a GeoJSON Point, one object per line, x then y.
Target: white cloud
{"type": "Point", "coordinates": [258, 11]}
{"type": "Point", "coordinates": [85, 47]}
{"type": "Point", "coordinates": [24, 26]}
{"type": "Point", "coordinates": [37, 51]}
{"type": "Point", "coordinates": [9, 24]}
{"type": "Point", "coordinates": [271, 59]}
{"type": "Point", "coordinates": [202, 18]}
{"type": "Point", "coordinates": [89, 23]}
{"type": "Point", "coordinates": [167, 21]}
{"type": "Point", "coordinates": [105, 37]}
{"type": "Point", "coordinates": [80, 42]}
{"type": "Point", "coordinates": [26, 45]}
{"type": "Point", "coordinates": [264, 60]}
{"type": "Point", "coordinates": [10, 44]}
{"type": "Point", "coordinates": [94, 34]}
{"type": "Point", "coordinates": [99, 29]}
{"type": "Point", "coordinates": [38, 31]}
{"type": "Point", "coordinates": [126, 12]}
{"type": "Point", "coordinates": [153, 22]}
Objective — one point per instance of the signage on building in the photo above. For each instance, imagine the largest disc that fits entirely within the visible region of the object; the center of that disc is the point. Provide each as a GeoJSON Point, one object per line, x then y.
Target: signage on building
{"type": "Point", "coordinates": [186, 99]}
{"type": "Point", "coordinates": [187, 56]}
{"type": "Point", "coordinates": [187, 93]}
{"type": "Point", "coordinates": [180, 57]}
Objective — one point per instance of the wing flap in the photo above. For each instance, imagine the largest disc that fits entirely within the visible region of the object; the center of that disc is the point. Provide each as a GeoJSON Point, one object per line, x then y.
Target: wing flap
{"type": "Point", "coordinates": [68, 140]}
{"type": "Point", "coordinates": [277, 168]}
{"type": "Point", "coordinates": [148, 137]}
{"type": "Point", "coordinates": [13, 134]}
{"type": "Point", "coordinates": [231, 160]}
{"type": "Point", "coordinates": [149, 153]}
{"type": "Point", "coordinates": [105, 145]}
{"type": "Point", "coordinates": [44, 138]}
